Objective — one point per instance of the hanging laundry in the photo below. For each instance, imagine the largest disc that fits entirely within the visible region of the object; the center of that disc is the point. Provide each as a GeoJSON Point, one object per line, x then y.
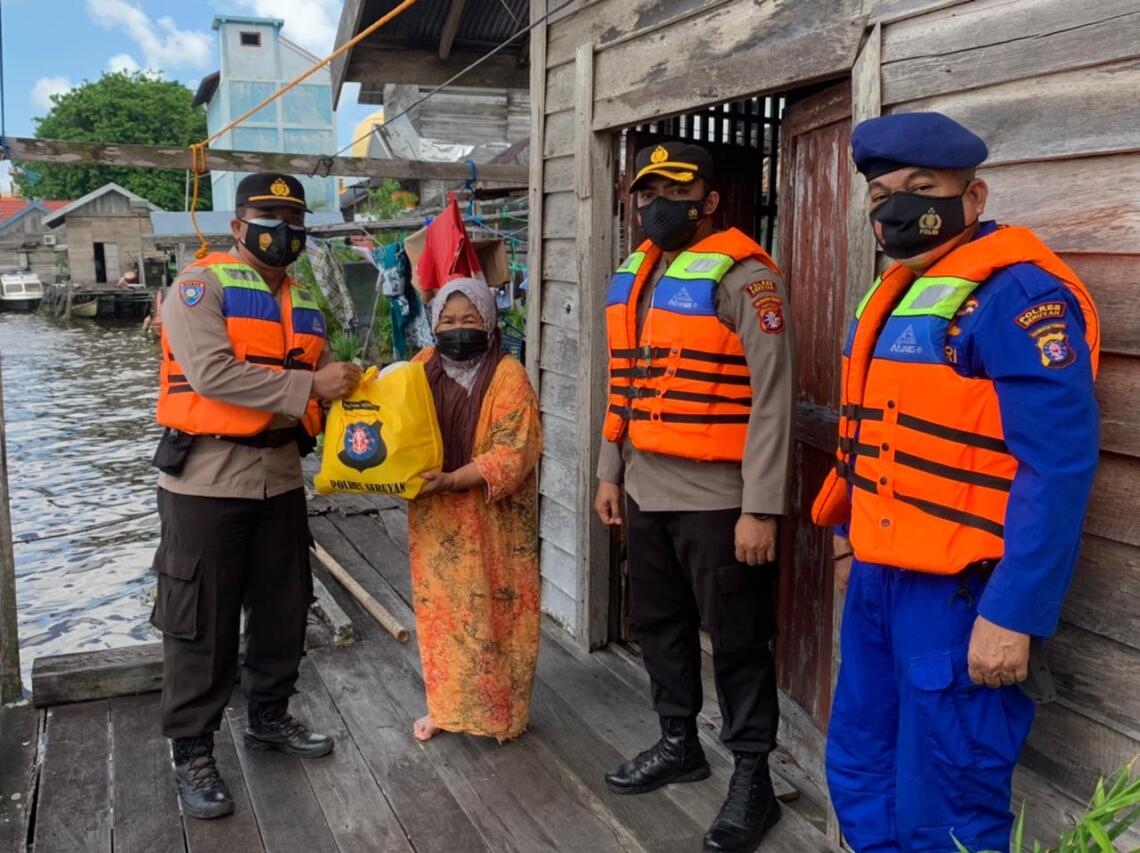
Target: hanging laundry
{"type": "Point", "coordinates": [329, 275]}
{"type": "Point", "coordinates": [449, 253]}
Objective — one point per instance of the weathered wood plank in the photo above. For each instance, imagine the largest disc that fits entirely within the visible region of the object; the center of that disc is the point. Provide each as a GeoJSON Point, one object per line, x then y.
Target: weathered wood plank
{"type": "Point", "coordinates": [163, 157]}
{"type": "Point", "coordinates": [1043, 196]}
{"type": "Point", "coordinates": [560, 305]}
{"type": "Point", "coordinates": [1051, 116]}
{"type": "Point", "coordinates": [418, 67]}
{"type": "Point", "coordinates": [980, 44]}
{"type": "Point", "coordinates": [332, 614]}
{"type": "Point", "coordinates": [239, 831]}
{"type": "Point", "coordinates": [560, 256]}
{"type": "Point", "coordinates": [1073, 751]}
{"type": "Point", "coordinates": [74, 807]}
{"type": "Point", "coordinates": [559, 351]}
{"type": "Point", "coordinates": [558, 174]}
{"type": "Point", "coordinates": [146, 815]}
{"type": "Point", "coordinates": [1097, 677]}
{"type": "Point", "coordinates": [1105, 590]}
{"type": "Point", "coordinates": [1115, 496]}
{"type": "Point", "coordinates": [558, 565]}
{"type": "Point", "coordinates": [20, 729]}
{"type": "Point", "coordinates": [536, 180]}
{"type": "Point", "coordinates": [743, 49]}
{"type": "Point", "coordinates": [1114, 281]}
{"type": "Point", "coordinates": [558, 394]}
{"type": "Point", "coordinates": [1050, 811]}
{"type": "Point", "coordinates": [558, 140]}
{"type": "Point", "coordinates": [558, 222]}
{"type": "Point", "coordinates": [557, 482]}
{"type": "Point", "coordinates": [891, 11]}
{"type": "Point", "coordinates": [558, 433]}
{"type": "Point", "coordinates": [288, 814]}
{"type": "Point", "coordinates": [355, 808]}
{"type": "Point", "coordinates": [1117, 391]}
{"type": "Point", "coordinates": [558, 605]}
{"type": "Point", "coordinates": [556, 525]}
{"type": "Point", "coordinates": [559, 88]}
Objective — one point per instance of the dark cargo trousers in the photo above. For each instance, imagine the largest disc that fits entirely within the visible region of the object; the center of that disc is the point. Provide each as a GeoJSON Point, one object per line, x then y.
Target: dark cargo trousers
{"type": "Point", "coordinates": [216, 556]}
{"type": "Point", "coordinates": [683, 573]}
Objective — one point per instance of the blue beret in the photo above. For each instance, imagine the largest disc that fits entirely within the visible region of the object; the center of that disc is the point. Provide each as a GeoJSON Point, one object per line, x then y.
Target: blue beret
{"type": "Point", "coordinates": [931, 140]}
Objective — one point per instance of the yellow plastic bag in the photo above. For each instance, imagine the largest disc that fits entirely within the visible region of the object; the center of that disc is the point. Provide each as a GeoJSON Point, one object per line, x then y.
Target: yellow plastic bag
{"type": "Point", "coordinates": [379, 440]}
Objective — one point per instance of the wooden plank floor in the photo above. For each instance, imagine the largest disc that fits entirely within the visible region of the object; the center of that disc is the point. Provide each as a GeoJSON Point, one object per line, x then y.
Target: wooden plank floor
{"type": "Point", "coordinates": [96, 777]}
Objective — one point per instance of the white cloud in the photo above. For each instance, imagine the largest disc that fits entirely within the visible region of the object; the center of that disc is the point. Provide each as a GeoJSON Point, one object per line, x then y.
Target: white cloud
{"type": "Point", "coordinates": [310, 23]}
{"type": "Point", "coordinates": [164, 47]}
{"type": "Point", "coordinates": [44, 88]}
{"type": "Point", "coordinates": [123, 62]}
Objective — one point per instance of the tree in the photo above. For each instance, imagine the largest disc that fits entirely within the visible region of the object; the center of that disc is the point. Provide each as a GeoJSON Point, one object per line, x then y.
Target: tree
{"type": "Point", "coordinates": [125, 108]}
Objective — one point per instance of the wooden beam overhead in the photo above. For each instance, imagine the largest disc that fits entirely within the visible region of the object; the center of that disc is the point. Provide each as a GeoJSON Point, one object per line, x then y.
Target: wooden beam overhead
{"type": "Point", "coordinates": [160, 157]}
{"type": "Point", "coordinates": [374, 66]}
{"type": "Point", "coordinates": [450, 28]}
{"type": "Point", "coordinates": [348, 27]}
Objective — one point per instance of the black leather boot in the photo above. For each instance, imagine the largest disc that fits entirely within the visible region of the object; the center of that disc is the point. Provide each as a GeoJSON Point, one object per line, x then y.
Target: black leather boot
{"type": "Point", "coordinates": [750, 810]}
{"type": "Point", "coordinates": [270, 726]}
{"type": "Point", "coordinates": [201, 790]}
{"type": "Point", "coordinates": [677, 757]}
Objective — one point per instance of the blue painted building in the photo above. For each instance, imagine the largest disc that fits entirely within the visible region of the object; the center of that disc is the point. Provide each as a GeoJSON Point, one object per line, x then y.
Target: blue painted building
{"type": "Point", "coordinates": [256, 61]}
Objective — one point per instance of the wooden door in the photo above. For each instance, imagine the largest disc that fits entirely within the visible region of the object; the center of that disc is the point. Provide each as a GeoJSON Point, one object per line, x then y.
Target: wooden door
{"type": "Point", "coordinates": [815, 179]}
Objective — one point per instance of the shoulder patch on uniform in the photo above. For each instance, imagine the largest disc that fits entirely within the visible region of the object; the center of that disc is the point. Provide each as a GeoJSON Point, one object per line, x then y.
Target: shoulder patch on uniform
{"type": "Point", "coordinates": [755, 288]}
{"type": "Point", "coordinates": [192, 291]}
{"type": "Point", "coordinates": [1053, 345]}
{"type": "Point", "coordinates": [1052, 310]}
{"type": "Point", "coordinates": [770, 310]}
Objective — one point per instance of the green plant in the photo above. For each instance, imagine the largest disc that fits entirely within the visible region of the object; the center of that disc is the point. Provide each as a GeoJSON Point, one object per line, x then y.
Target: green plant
{"type": "Point", "coordinates": [345, 346]}
{"type": "Point", "coordinates": [1109, 815]}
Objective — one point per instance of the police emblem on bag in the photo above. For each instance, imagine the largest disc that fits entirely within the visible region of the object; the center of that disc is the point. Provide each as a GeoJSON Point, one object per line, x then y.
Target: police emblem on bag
{"type": "Point", "coordinates": [930, 223]}
{"type": "Point", "coordinates": [363, 448]}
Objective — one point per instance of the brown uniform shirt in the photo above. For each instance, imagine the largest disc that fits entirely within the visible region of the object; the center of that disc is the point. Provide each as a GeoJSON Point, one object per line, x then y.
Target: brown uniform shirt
{"type": "Point", "coordinates": [759, 484]}
{"type": "Point", "coordinates": [201, 344]}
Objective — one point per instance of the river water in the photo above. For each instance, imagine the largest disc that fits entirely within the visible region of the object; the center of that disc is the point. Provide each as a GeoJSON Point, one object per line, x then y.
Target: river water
{"type": "Point", "coordinates": [79, 414]}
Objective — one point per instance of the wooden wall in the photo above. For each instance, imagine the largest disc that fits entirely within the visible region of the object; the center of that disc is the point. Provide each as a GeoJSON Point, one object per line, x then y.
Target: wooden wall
{"type": "Point", "coordinates": [1051, 85]}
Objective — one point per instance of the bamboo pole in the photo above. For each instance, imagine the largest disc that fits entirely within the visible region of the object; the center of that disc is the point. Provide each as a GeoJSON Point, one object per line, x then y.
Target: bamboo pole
{"type": "Point", "coordinates": [374, 607]}
{"type": "Point", "coordinates": [10, 687]}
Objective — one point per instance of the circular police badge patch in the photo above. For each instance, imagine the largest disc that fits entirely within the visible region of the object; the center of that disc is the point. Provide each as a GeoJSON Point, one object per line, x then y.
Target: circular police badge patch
{"type": "Point", "coordinates": [362, 447]}
{"type": "Point", "coordinates": [192, 292]}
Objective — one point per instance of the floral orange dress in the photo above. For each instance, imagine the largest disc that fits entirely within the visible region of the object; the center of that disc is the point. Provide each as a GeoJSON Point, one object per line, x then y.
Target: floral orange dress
{"type": "Point", "coordinates": [475, 575]}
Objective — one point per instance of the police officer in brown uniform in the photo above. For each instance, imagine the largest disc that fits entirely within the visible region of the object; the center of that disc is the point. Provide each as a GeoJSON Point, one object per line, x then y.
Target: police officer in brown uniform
{"type": "Point", "coordinates": [698, 431]}
{"type": "Point", "coordinates": [245, 366]}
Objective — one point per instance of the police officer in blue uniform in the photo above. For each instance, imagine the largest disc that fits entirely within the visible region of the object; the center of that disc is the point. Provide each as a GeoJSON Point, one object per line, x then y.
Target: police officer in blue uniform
{"type": "Point", "coordinates": [929, 716]}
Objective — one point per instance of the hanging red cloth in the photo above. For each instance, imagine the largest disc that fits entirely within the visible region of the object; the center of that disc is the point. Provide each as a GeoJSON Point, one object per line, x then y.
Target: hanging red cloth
{"type": "Point", "coordinates": [448, 252]}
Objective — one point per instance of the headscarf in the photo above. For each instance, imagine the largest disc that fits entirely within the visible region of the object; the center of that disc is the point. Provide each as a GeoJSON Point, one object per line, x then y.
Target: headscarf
{"type": "Point", "coordinates": [459, 387]}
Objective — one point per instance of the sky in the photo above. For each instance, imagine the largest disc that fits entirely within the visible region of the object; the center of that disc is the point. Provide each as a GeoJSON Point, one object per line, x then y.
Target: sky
{"type": "Point", "coordinates": [52, 45]}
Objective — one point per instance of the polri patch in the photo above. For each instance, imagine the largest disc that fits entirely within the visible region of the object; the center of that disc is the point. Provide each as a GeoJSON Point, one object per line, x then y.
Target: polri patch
{"type": "Point", "coordinates": [1053, 345]}
{"type": "Point", "coordinates": [756, 288]}
{"type": "Point", "coordinates": [770, 310]}
{"type": "Point", "coordinates": [192, 292]}
{"type": "Point", "coordinates": [1040, 313]}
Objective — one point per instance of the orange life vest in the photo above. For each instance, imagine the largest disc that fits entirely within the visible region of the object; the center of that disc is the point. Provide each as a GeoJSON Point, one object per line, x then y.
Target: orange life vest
{"type": "Point", "coordinates": [683, 388]}
{"type": "Point", "coordinates": [262, 332]}
{"type": "Point", "coordinates": [923, 472]}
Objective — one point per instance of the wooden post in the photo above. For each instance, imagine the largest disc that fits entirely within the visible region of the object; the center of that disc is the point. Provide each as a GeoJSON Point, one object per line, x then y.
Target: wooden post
{"type": "Point", "coordinates": [535, 194]}
{"type": "Point", "coordinates": [10, 687]}
{"type": "Point", "coordinates": [594, 191]}
{"type": "Point", "coordinates": [67, 301]}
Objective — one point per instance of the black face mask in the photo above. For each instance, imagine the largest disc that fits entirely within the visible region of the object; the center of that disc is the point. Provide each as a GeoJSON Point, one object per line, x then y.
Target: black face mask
{"type": "Point", "coordinates": [274, 243]}
{"type": "Point", "coordinates": [670, 223]}
{"type": "Point", "coordinates": [908, 224]}
{"type": "Point", "coordinates": [462, 344]}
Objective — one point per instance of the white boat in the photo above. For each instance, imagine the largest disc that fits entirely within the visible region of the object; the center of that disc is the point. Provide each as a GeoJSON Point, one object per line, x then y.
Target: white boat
{"type": "Point", "coordinates": [81, 307]}
{"type": "Point", "coordinates": [20, 291]}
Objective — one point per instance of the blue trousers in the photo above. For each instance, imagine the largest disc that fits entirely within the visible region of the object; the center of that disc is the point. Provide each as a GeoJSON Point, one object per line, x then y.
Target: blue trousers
{"type": "Point", "coordinates": [915, 750]}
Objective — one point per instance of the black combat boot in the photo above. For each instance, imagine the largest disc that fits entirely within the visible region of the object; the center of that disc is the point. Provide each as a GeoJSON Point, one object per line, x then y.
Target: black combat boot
{"type": "Point", "coordinates": [201, 790]}
{"type": "Point", "coordinates": [677, 757]}
{"type": "Point", "coordinates": [750, 810]}
{"type": "Point", "coordinates": [270, 726]}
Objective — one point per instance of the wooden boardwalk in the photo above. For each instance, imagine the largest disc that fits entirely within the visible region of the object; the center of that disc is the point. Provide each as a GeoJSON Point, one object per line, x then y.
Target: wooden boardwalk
{"type": "Point", "coordinates": [95, 776]}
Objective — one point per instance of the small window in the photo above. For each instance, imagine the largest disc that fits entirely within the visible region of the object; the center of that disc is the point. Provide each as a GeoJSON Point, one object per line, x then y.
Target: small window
{"type": "Point", "coordinates": [251, 39]}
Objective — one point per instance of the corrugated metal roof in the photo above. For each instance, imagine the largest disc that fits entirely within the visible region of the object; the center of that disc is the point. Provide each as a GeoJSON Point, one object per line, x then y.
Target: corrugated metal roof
{"type": "Point", "coordinates": [484, 23]}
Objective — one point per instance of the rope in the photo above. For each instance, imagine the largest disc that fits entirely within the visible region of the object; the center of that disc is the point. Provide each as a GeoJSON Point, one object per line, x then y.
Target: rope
{"type": "Point", "coordinates": [199, 149]}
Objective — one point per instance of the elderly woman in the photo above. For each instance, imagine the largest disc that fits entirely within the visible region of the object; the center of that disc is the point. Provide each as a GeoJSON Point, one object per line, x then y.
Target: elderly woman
{"type": "Point", "coordinates": [473, 530]}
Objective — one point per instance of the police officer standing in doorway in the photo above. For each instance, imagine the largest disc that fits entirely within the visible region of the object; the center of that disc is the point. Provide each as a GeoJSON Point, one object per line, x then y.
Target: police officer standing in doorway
{"type": "Point", "coordinates": [969, 358]}
{"type": "Point", "coordinates": [244, 368]}
{"type": "Point", "coordinates": [698, 430]}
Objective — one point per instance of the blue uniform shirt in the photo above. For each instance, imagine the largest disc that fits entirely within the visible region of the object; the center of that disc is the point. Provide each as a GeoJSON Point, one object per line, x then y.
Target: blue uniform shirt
{"type": "Point", "coordinates": [1024, 330]}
